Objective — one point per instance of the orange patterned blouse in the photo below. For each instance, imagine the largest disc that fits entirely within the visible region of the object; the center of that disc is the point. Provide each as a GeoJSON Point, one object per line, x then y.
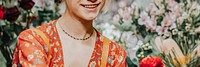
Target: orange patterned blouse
{"type": "Point", "coordinates": [31, 50]}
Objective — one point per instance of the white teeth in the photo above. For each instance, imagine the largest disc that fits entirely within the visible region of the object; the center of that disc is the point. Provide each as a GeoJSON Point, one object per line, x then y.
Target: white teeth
{"type": "Point", "coordinates": [90, 6]}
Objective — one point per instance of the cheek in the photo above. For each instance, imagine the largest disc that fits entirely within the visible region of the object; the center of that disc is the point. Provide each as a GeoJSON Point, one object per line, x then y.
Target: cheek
{"type": "Point", "coordinates": [103, 4]}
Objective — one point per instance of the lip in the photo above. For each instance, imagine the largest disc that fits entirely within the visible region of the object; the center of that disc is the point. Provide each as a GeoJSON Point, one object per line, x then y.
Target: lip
{"type": "Point", "coordinates": [91, 7]}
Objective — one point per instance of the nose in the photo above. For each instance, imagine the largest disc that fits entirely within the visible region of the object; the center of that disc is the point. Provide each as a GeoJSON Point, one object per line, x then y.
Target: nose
{"type": "Point", "coordinates": [92, 0]}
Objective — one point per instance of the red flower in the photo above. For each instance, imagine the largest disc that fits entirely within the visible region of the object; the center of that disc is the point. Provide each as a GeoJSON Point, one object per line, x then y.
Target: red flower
{"type": "Point", "coordinates": [26, 4]}
{"type": "Point", "coordinates": [11, 14]}
{"type": "Point", "coordinates": [151, 62]}
{"type": "Point", "coordinates": [1, 13]}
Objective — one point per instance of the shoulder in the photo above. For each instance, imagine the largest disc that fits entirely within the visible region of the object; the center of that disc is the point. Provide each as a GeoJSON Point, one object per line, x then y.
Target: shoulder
{"type": "Point", "coordinates": [45, 28]}
{"type": "Point", "coordinates": [31, 36]}
{"type": "Point", "coordinates": [114, 48]}
{"type": "Point", "coordinates": [117, 54]}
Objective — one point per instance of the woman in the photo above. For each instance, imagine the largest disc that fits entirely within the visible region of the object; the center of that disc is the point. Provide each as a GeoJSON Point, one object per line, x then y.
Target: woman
{"type": "Point", "coordinates": [70, 41]}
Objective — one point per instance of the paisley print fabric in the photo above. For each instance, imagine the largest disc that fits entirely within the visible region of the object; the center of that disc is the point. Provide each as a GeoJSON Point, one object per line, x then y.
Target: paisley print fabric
{"type": "Point", "coordinates": [31, 50]}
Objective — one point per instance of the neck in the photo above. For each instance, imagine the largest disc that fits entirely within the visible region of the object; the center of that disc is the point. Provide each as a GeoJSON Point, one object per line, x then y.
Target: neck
{"type": "Point", "coordinates": [75, 26]}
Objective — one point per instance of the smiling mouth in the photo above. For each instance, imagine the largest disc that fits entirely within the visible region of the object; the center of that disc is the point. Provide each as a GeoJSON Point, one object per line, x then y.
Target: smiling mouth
{"type": "Point", "coordinates": [90, 6]}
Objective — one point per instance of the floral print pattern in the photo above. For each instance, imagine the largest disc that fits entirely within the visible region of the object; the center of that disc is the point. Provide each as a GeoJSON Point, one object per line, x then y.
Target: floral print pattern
{"type": "Point", "coordinates": [31, 50]}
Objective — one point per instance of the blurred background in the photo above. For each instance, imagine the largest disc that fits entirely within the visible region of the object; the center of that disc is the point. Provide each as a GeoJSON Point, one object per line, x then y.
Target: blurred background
{"type": "Point", "coordinates": [134, 24]}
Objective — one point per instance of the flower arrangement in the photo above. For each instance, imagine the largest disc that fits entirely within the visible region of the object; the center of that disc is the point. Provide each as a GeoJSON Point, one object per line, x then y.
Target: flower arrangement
{"type": "Point", "coordinates": [167, 28]}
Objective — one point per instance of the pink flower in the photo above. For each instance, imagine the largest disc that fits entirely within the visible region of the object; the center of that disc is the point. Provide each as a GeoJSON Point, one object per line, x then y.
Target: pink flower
{"type": "Point", "coordinates": [161, 30]}
{"type": "Point", "coordinates": [144, 18]}
{"type": "Point", "coordinates": [126, 14]}
{"type": "Point", "coordinates": [122, 4]}
{"type": "Point", "coordinates": [153, 9]}
{"type": "Point", "coordinates": [151, 24]}
{"type": "Point", "coordinates": [169, 20]}
{"type": "Point", "coordinates": [133, 5]}
{"type": "Point", "coordinates": [172, 26]}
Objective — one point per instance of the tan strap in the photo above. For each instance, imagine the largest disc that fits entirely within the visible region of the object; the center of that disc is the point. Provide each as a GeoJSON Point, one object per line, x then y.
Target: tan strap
{"type": "Point", "coordinates": [105, 51]}
{"type": "Point", "coordinates": [41, 34]}
{"type": "Point", "coordinates": [45, 39]}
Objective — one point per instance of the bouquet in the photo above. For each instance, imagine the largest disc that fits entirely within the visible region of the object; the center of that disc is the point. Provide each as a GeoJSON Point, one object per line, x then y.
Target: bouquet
{"type": "Point", "coordinates": [168, 29]}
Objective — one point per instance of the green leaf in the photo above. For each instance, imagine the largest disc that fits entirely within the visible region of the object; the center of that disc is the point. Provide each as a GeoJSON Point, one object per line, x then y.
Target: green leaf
{"type": "Point", "coordinates": [148, 38]}
{"type": "Point", "coordinates": [3, 60]}
{"type": "Point", "coordinates": [130, 63]}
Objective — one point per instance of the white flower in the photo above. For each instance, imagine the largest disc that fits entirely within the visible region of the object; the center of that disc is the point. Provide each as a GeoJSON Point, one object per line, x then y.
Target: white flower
{"type": "Point", "coordinates": [139, 55]}
{"type": "Point", "coordinates": [195, 13]}
{"type": "Point", "coordinates": [185, 15]}
{"type": "Point", "coordinates": [142, 56]}
{"type": "Point", "coordinates": [147, 44]}
{"type": "Point", "coordinates": [149, 47]}
{"type": "Point", "coordinates": [187, 28]}
{"type": "Point", "coordinates": [109, 31]}
{"type": "Point", "coordinates": [120, 12]}
{"type": "Point", "coordinates": [140, 43]}
{"type": "Point", "coordinates": [131, 40]}
{"type": "Point", "coordinates": [194, 5]}
{"type": "Point", "coordinates": [175, 31]}
{"type": "Point", "coordinates": [180, 33]}
{"type": "Point", "coordinates": [197, 30]}
{"type": "Point", "coordinates": [116, 19]}
{"type": "Point", "coordinates": [141, 52]}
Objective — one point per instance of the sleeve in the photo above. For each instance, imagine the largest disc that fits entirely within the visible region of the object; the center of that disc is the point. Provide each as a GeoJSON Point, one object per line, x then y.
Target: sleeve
{"type": "Point", "coordinates": [29, 52]}
{"type": "Point", "coordinates": [119, 54]}
{"type": "Point", "coordinates": [122, 53]}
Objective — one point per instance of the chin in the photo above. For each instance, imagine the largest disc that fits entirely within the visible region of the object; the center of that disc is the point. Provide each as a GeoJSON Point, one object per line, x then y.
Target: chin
{"type": "Point", "coordinates": [90, 17]}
